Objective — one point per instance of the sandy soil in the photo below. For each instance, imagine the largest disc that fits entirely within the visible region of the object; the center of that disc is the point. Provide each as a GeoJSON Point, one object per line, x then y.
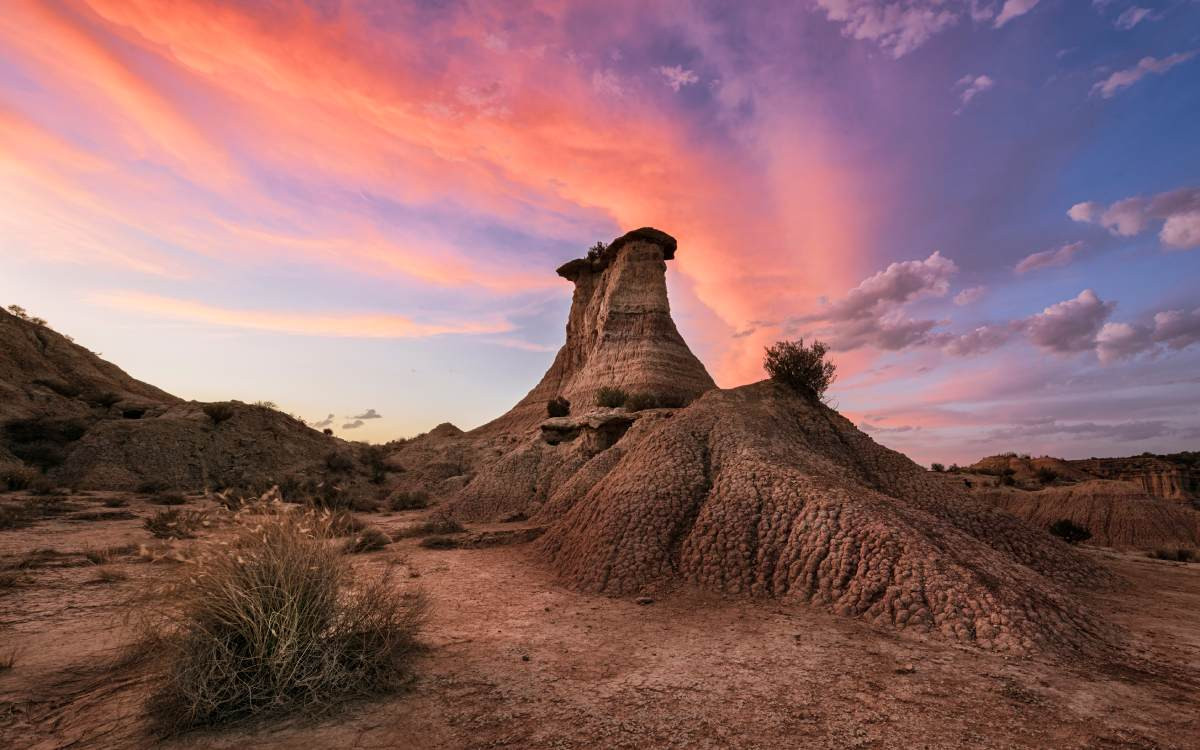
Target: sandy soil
{"type": "Point", "coordinates": [513, 659]}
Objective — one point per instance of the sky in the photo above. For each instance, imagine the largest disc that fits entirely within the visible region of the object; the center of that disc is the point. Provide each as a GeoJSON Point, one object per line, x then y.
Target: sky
{"type": "Point", "coordinates": [990, 209]}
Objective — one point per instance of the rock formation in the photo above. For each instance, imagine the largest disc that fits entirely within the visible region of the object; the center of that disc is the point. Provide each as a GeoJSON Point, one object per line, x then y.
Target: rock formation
{"type": "Point", "coordinates": [1171, 477]}
{"type": "Point", "coordinates": [754, 491]}
{"type": "Point", "coordinates": [1118, 514]}
{"type": "Point", "coordinates": [619, 334]}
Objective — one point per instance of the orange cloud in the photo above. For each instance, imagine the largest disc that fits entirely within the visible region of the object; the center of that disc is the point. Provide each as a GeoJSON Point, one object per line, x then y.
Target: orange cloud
{"type": "Point", "coordinates": [346, 325]}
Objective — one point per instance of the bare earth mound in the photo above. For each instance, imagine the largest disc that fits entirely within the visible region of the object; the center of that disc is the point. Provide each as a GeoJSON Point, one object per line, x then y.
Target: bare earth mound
{"type": "Point", "coordinates": [758, 491]}
{"type": "Point", "coordinates": [1118, 514]}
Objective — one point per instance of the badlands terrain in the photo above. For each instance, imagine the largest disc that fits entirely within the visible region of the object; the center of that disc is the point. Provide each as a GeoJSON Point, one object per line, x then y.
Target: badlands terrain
{"type": "Point", "coordinates": [694, 568]}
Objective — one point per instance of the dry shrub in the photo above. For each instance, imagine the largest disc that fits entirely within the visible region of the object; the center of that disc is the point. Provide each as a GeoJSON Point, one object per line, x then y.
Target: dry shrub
{"type": "Point", "coordinates": [16, 477]}
{"type": "Point", "coordinates": [8, 659]}
{"type": "Point", "coordinates": [98, 556]}
{"type": "Point", "coordinates": [801, 368]}
{"type": "Point", "coordinates": [415, 500]}
{"type": "Point", "coordinates": [110, 575]}
{"type": "Point", "coordinates": [13, 517]}
{"type": "Point", "coordinates": [9, 580]}
{"type": "Point", "coordinates": [438, 523]}
{"type": "Point", "coordinates": [274, 622]}
{"type": "Point", "coordinates": [168, 498]}
{"type": "Point", "coordinates": [219, 412]}
{"type": "Point", "coordinates": [175, 523]}
{"type": "Point", "coordinates": [611, 397]}
{"type": "Point", "coordinates": [369, 539]}
{"type": "Point", "coordinates": [1176, 554]}
{"type": "Point", "coordinates": [439, 542]}
{"type": "Point", "coordinates": [115, 502]}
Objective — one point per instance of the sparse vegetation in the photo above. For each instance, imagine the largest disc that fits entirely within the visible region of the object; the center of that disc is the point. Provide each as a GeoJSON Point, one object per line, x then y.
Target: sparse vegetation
{"type": "Point", "coordinates": [801, 368]}
{"type": "Point", "coordinates": [219, 412]}
{"type": "Point", "coordinates": [438, 523]}
{"type": "Point", "coordinates": [558, 407]}
{"type": "Point", "coordinates": [14, 477]}
{"type": "Point", "coordinates": [115, 502]}
{"type": "Point", "coordinates": [439, 542]}
{"type": "Point", "coordinates": [641, 400]}
{"type": "Point", "coordinates": [274, 622]}
{"type": "Point", "coordinates": [267, 404]}
{"type": "Point", "coordinates": [168, 498]}
{"type": "Point", "coordinates": [328, 432]}
{"type": "Point", "coordinates": [339, 462]}
{"type": "Point", "coordinates": [937, 467]}
{"type": "Point", "coordinates": [8, 660]}
{"type": "Point", "coordinates": [111, 575]}
{"type": "Point", "coordinates": [367, 540]}
{"type": "Point", "coordinates": [1177, 554]}
{"type": "Point", "coordinates": [595, 251]}
{"type": "Point", "coordinates": [610, 397]}
{"type": "Point", "coordinates": [1069, 531]}
{"type": "Point", "coordinates": [175, 523]}
{"type": "Point", "coordinates": [414, 500]}
{"type": "Point", "coordinates": [374, 459]}
{"type": "Point", "coordinates": [1046, 475]}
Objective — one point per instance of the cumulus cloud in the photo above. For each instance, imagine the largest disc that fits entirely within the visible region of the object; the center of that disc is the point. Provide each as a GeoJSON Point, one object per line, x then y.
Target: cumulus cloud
{"type": "Point", "coordinates": [1123, 79]}
{"type": "Point", "coordinates": [677, 76]}
{"type": "Point", "coordinates": [1055, 258]}
{"type": "Point", "coordinates": [353, 425]}
{"type": "Point", "coordinates": [1132, 17]}
{"type": "Point", "coordinates": [1179, 210]}
{"type": "Point", "coordinates": [1012, 9]}
{"type": "Point", "coordinates": [971, 86]}
{"type": "Point", "coordinates": [368, 414]}
{"type": "Point", "coordinates": [872, 314]}
{"type": "Point", "coordinates": [1177, 328]}
{"type": "Point", "coordinates": [1070, 326]}
{"type": "Point", "coordinates": [969, 296]}
{"type": "Point", "coordinates": [981, 340]}
{"type": "Point", "coordinates": [1117, 341]}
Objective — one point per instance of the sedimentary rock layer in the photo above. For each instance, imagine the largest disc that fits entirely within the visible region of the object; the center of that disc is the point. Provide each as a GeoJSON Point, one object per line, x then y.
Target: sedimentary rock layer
{"type": "Point", "coordinates": [619, 334]}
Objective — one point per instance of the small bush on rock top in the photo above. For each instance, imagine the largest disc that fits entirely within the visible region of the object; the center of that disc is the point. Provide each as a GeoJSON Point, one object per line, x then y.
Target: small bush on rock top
{"type": "Point", "coordinates": [558, 407]}
{"type": "Point", "coordinates": [1046, 475]}
{"type": "Point", "coordinates": [937, 467]}
{"type": "Point", "coordinates": [1069, 531]}
{"type": "Point", "coordinates": [219, 412]}
{"type": "Point", "coordinates": [275, 621]}
{"type": "Point", "coordinates": [611, 398]}
{"type": "Point", "coordinates": [801, 368]}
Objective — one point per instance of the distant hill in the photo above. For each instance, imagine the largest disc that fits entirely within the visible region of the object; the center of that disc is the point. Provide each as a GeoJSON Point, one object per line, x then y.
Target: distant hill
{"type": "Point", "coordinates": [85, 422]}
{"type": "Point", "coordinates": [1170, 477]}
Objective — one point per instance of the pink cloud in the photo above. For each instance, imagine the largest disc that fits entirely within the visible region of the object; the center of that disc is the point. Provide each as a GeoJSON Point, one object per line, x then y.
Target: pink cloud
{"type": "Point", "coordinates": [1050, 258]}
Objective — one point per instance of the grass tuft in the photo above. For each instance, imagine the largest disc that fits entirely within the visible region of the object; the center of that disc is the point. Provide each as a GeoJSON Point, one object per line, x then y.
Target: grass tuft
{"type": "Point", "coordinates": [276, 621]}
{"type": "Point", "coordinates": [175, 523]}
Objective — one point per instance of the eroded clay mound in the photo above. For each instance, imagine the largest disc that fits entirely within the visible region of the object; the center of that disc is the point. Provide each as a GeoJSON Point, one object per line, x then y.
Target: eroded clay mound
{"type": "Point", "coordinates": [1118, 514]}
{"type": "Point", "coordinates": [756, 491]}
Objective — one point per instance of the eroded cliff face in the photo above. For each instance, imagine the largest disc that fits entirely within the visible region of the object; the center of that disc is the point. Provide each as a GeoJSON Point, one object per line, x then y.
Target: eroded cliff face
{"type": "Point", "coordinates": [619, 334]}
{"type": "Point", "coordinates": [1158, 477]}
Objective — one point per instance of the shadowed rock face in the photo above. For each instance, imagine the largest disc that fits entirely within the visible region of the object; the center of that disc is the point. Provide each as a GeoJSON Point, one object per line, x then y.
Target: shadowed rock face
{"type": "Point", "coordinates": [619, 334]}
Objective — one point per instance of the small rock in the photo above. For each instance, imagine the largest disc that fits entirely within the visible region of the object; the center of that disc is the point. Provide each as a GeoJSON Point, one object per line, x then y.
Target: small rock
{"type": "Point", "coordinates": [524, 657]}
{"type": "Point", "coordinates": [643, 600]}
{"type": "Point", "coordinates": [906, 669]}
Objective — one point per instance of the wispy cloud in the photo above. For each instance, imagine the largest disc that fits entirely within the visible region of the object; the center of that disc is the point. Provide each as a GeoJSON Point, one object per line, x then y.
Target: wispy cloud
{"type": "Point", "coordinates": [1055, 258]}
{"type": "Point", "coordinates": [677, 76]}
{"type": "Point", "coordinates": [971, 86]}
{"type": "Point", "coordinates": [350, 325]}
{"type": "Point", "coordinates": [1123, 79]}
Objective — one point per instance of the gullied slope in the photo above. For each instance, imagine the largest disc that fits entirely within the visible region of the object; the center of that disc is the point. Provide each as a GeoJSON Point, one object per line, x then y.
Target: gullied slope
{"type": "Point", "coordinates": [1118, 514]}
{"type": "Point", "coordinates": [619, 334]}
{"type": "Point", "coordinates": [757, 491]}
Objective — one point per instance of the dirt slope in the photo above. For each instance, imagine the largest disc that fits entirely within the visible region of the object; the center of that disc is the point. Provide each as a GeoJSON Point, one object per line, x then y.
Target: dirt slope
{"type": "Point", "coordinates": [1118, 514]}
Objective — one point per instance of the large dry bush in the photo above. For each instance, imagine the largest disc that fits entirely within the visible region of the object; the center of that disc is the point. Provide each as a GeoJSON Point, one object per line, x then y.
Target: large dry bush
{"type": "Point", "coordinates": [801, 368]}
{"type": "Point", "coordinates": [275, 621]}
